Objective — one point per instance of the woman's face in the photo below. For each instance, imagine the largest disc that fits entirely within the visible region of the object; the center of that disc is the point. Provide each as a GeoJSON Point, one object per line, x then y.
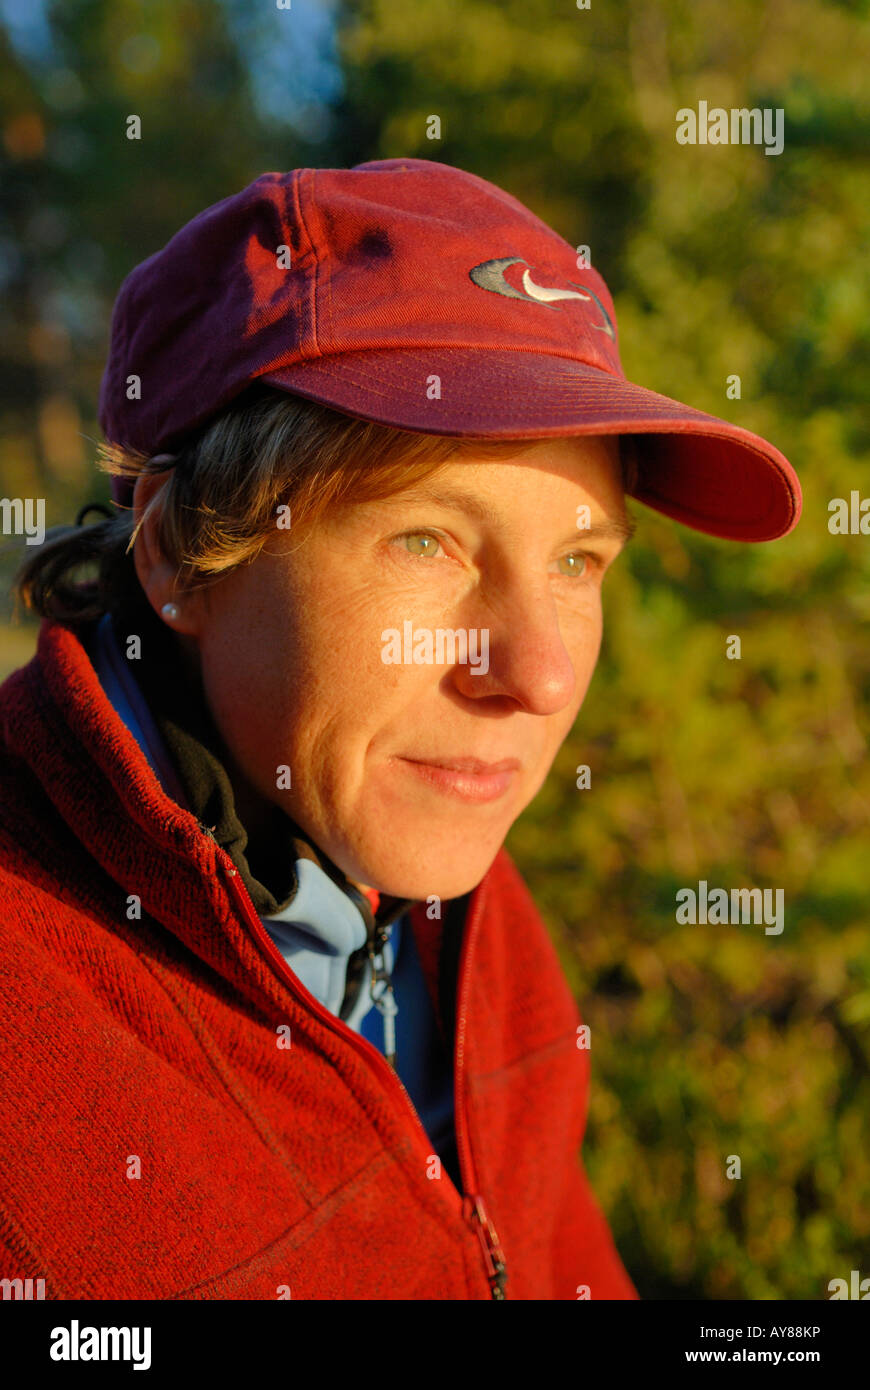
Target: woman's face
{"type": "Point", "coordinates": [292, 651]}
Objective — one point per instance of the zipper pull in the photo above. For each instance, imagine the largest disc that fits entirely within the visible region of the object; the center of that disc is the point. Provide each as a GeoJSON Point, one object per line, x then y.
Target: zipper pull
{"type": "Point", "coordinates": [493, 1255]}
{"type": "Point", "coordinates": [385, 1000]}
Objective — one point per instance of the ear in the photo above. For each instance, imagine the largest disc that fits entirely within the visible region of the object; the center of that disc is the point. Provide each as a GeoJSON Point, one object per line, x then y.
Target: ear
{"type": "Point", "coordinates": [157, 574]}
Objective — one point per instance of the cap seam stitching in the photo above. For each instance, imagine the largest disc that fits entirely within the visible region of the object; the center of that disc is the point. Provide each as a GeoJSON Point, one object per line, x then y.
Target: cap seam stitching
{"type": "Point", "coordinates": [316, 259]}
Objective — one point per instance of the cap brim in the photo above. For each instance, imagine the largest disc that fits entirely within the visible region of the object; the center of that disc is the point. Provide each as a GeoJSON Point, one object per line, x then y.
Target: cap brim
{"type": "Point", "coordinates": [704, 472]}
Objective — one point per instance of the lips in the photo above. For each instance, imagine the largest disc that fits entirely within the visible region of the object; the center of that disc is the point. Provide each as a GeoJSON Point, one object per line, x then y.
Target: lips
{"type": "Point", "coordinates": [476, 766]}
{"type": "Point", "coordinates": [472, 780]}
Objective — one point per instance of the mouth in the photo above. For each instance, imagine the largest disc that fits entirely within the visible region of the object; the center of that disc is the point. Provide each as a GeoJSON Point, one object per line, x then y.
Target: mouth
{"type": "Point", "coordinates": [469, 779]}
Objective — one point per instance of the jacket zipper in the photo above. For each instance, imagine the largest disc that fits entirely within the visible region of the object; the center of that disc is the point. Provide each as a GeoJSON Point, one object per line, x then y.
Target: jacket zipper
{"type": "Point", "coordinates": [472, 1205]}
{"type": "Point", "coordinates": [384, 1002]}
{"type": "Point", "coordinates": [377, 936]}
{"type": "Point", "coordinates": [475, 1211]}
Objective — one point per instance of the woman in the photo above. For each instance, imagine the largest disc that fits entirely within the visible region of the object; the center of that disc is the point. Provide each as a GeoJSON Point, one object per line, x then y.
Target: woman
{"type": "Point", "coordinates": [296, 1025]}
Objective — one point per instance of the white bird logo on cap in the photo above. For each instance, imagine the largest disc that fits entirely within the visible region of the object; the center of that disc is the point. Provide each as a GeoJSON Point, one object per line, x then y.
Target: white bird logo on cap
{"type": "Point", "coordinates": [546, 293]}
{"type": "Point", "coordinates": [489, 275]}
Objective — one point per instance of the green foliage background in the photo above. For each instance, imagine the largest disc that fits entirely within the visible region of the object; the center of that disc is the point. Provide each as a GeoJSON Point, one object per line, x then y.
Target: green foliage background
{"type": "Point", "coordinates": [706, 1041]}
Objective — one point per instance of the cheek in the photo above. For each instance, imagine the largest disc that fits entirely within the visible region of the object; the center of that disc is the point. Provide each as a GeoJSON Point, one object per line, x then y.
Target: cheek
{"type": "Point", "coordinates": [246, 668]}
{"type": "Point", "coordinates": [591, 651]}
{"type": "Point", "coordinates": [284, 669]}
{"type": "Point", "coordinates": [584, 650]}
{"type": "Point", "coordinates": [582, 635]}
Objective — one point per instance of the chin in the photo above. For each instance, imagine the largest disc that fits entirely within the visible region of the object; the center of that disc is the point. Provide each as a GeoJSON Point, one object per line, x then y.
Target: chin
{"type": "Point", "coordinates": [414, 877]}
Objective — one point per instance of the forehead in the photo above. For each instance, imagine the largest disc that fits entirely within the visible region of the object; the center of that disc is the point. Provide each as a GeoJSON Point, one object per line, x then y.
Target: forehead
{"type": "Point", "coordinates": [546, 472]}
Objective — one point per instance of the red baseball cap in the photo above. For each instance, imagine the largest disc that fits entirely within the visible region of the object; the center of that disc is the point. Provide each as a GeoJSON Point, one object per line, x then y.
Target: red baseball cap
{"type": "Point", "coordinates": [417, 295]}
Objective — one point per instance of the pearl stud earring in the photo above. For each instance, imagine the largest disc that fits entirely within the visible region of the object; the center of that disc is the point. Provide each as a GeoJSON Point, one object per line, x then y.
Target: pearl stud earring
{"type": "Point", "coordinates": [170, 611]}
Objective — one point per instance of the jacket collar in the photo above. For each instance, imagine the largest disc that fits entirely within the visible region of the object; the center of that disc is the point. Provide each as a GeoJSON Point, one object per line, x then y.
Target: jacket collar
{"type": "Point", "coordinates": [99, 811]}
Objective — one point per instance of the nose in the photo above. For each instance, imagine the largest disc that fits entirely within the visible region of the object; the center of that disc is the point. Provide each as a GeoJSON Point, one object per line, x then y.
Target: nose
{"type": "Point", "coordinates": [529, 661]}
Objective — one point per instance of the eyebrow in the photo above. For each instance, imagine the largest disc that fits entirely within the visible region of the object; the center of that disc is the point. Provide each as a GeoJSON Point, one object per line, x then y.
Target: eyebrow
{"type": "Point", "coordinates": [616, 528]}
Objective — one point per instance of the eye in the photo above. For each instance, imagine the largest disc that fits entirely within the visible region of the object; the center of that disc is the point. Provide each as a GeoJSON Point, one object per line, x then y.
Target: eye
{"type": "Point", "coordinates": [574, 565]}
{"type": "Point", "coordinates": [421, 543]}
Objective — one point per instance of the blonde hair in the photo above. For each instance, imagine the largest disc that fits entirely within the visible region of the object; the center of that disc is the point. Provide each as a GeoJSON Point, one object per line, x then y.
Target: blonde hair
{"type": "Point", "coordinates": [218, 508]}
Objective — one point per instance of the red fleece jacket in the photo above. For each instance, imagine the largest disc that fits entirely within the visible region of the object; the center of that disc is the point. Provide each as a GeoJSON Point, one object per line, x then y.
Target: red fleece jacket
{"type": "Point", "coordinates": [161, 1139]}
